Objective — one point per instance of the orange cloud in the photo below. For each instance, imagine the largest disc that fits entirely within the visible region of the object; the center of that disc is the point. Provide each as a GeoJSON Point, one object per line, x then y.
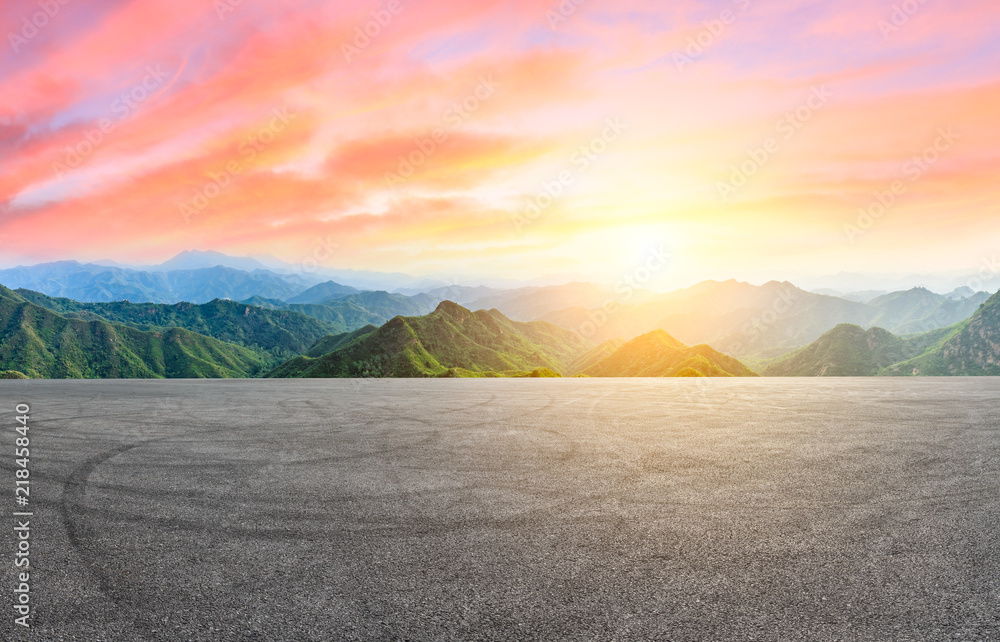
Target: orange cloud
{"type": "Point", "coordinates": [99, 159]}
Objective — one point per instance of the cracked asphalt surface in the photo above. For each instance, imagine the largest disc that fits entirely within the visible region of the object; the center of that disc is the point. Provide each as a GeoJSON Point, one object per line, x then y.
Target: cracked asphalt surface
{"type": "Point", "coordinates": [577, 509]}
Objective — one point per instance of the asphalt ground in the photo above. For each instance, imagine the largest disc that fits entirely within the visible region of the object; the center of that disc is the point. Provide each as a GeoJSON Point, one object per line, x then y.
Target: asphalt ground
{"type": "Point", "coordinates": [577, 509]}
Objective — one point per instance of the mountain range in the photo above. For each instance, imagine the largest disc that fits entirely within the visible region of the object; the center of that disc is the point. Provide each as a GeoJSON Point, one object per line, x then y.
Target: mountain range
{"type": "Point", "coordinates": [968, 348]}
{"type": "Point", "coordinates": [90, 282]}
{"type": "Point", "coordinates": [451, 341]}
{"type": "Point", "coordinates": [352, 311]}
{"type": "Point", "coordinates": [298, 324]}
{"type": "Point", "coordinates": [454, 341]}
{"type": "Point", "coordinates": [39, 343]}
{"type": "Point", "coordinates": [758, 323]}
{"type": "Point", "coordinates": [657, 354]}
{"type": "Point", "coordinates": [282, 332]}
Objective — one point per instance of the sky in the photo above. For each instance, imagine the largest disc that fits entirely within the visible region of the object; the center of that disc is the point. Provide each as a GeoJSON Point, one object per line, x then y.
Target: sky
{"type": "Point", "coordinates": [740, 138]}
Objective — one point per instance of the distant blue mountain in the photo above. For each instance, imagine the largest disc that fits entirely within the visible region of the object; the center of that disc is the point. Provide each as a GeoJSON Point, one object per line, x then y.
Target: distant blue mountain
{"type": "Point", "coordinates": [101, 283]}
{"type": "Point", "coordinates": [323, 292]}
{"type": "Point", "coordinates": [196, 260]}
{"type": "Point", "coordinates": [356, 310]}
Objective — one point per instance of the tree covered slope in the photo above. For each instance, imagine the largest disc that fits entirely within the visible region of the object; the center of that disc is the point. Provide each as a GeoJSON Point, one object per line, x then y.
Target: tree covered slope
{"type": "Point", "coordinates": [450, 340]}
{"type": "Point", "coordinates": [657, 354]}
{"type": "Point", "coordinates": [282, 332]}
{"type": "Point", "coordinates": [969, 348]}
{"type": "Point", "coordinates": [40, 343]}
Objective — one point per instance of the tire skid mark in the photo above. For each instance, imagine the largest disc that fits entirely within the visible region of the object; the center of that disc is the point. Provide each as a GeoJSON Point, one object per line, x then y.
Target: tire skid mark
{"type": "Point", "coordinates": [74, 489]}
{"type": "Point", "coordinates": [70, 509]}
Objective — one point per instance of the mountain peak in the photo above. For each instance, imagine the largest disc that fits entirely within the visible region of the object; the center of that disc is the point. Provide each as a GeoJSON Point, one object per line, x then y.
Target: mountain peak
{"type": "Point", "coordinates": [657, 354]}
{"type": "Point", "coordinates": [661, 336]}
{"type": "Point", "coordinates": [198, 259]}
{"type": "Point", "coordinates": [452, 309]}
{"type": "Point", "coordinates": [323, 292]}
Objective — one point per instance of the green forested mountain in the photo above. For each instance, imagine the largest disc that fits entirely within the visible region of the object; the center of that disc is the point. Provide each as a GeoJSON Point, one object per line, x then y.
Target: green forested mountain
{"type": "Point", "coordinates": [38, 342]}
{"type": "Point", "coordinates": [657, 354]}
{"type": "Point", "coordinates": [42, 336]}
{"type": "Point", "coordinates": [283, 333]}
{"type": "Point", "coordinates": [971, 348]}
{"type": "Point", "coordinates": [920, 310]}
{"type": "Point", "coordinates": [598, 354]}
{"type": "Point", "coordinates": [846, 351]}
{"type": "Point", "coordinates": [331, 342]}
{"type": "Point", "coordinates": [451, 340]}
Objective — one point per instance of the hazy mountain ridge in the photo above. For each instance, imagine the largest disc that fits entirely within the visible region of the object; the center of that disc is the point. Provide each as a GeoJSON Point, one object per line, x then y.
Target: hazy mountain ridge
{"type": "Point", "coordinates": [764, 322]}
{"type": "Point", "coordinates": [533, 303]}
{"type": "Point", "coordinates": [349, 312]}
{"type": "Point", "coordinates": [755, 323]}
{"type": "Point", "coordinates": [196, 260]}
{"type": "Point", "coordinates": [322, 292]}
{"type": "Point", "coordinates": [102, 284]}
{"type": "Point", "coordinates": [920, 310]}
{"type": "Point", "coordinates": [970, 348]}
{"type": "Point", "coordinates": [777, 328]}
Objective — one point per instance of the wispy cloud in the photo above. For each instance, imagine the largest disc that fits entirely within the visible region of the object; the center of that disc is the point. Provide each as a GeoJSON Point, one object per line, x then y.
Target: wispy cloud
{"type": "Point", "coordinates": [95, 156]}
